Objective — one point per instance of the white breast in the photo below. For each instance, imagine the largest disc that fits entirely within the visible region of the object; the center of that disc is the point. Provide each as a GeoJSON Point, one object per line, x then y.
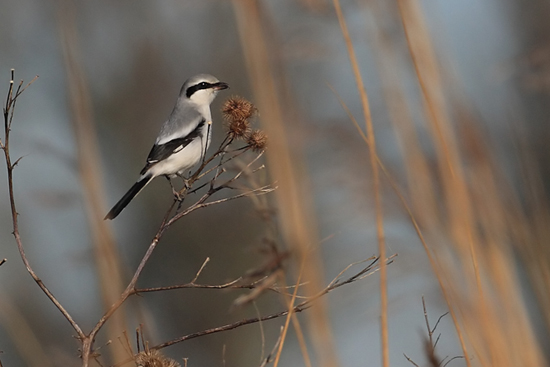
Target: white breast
{"type": "Point", "coordinates": [181, 162]}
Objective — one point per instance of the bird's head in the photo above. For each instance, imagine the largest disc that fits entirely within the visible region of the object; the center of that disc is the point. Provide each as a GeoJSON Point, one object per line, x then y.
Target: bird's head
{"type": "Point", "coordinates": [202, 89]}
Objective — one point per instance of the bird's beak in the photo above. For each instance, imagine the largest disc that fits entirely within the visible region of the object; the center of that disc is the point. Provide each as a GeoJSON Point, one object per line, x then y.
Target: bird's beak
{"type": "Point", "coordinates": [220, 86]}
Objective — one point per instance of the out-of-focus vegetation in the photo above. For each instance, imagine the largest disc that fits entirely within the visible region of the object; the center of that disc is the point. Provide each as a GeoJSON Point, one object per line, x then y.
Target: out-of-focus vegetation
{"type": "Point", "coordinates": [457, 95]}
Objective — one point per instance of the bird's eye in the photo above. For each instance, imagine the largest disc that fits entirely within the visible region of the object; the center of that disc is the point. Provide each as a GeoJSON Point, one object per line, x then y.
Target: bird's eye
{"type": "Point", "coordinates": [203, 84]}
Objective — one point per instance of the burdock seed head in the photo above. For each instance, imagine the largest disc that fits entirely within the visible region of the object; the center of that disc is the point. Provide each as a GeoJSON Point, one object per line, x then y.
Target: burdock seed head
{"type": "Point", "coordinates": [238, 108]}
{"type": "Point", "coordinates": [257, 140]}
{"type": "Point", "coordinates": [153, 358]}
{"type": "Point", "coordinates": [239, 128]}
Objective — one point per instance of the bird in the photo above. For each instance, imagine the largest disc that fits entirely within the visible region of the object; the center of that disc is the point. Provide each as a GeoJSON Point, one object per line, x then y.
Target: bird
{"type": "Point", "coordinates": [183, 138]}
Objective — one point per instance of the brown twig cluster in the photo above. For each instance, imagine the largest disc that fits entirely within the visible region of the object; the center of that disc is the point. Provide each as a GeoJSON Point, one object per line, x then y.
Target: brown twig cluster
{"type": "Point", "coordinates": [430, 344]}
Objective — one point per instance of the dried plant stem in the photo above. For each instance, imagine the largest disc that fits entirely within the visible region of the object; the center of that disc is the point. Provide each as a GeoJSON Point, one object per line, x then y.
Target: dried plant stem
{"type": "Point", "coordinates": [293, 198]}
{"type": "Point", "coordinates": [431, 257]}
{"type": "Point", "coordinates": [289, 316]}
{"type": "Point", "coordinates": [376, 186]}
{"type": "Point", "coordinates": [458, 200]}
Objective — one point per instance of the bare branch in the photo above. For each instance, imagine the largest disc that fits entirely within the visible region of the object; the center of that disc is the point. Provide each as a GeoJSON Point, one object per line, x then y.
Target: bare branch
{"type": "Point", "coordinates": [17, 161]}
{"type": "Point", "coordinates": [429, 350]}
{"type": "Point", "coordinates": [437, 340]}
{"type": "Point", "coordinates": [9, 110]}
{"type": "Point", "coordinates": [298, 308]}
{"type": "Point", "coordinates": [201, 203]}
{"type": "Point", "coordinates": [19, 90]}
{"type": "Point", "coordinates": [269, 357]}
{"type": "Point", "coordinates": [231, 284]}
{"type": "Point", "coordinates": [200, 270]}
{"type": "Point", "coordinates": [232, 326]}
{"type": "Point", "coordinates": [351, 265]}
{"type": "Point", "coordinates": [439, 319]}
{"type": "Point", "coordinates": [429, 344]}
{"type": "Point", "coordinates": [449, 361]}
{"type": "Point", "coordinates": [430, 331]}
{"type": "Point", "coordinates": [262, 333]}
{"type": "Point", "coordinates": [170, 219]}
{"type": "Point", "coordinates": [410, 360]}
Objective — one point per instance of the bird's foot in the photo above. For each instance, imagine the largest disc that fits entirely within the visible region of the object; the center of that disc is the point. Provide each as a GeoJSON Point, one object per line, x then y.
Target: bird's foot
{"type": "Point", "coordinates": [186, 183]}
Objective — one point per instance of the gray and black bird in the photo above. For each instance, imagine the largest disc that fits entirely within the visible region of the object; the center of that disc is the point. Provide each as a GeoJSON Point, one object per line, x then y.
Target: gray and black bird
{"type": "Point", "coordinates": [183, 138]}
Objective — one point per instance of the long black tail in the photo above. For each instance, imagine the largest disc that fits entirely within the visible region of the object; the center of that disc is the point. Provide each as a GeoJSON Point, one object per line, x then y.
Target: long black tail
{"type": "Point", "coordinates": [122, 203]}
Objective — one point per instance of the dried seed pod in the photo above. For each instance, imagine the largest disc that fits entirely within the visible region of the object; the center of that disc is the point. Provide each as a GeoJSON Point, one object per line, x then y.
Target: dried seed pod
{"type": "Point", "coordinates": [237, 108]}
{"type": "Point", "coordinates": [153, 358]}
{"type": "Point", "coordinates": [239, 128]}
{"type": "Point", "coordinates": [257, 140]}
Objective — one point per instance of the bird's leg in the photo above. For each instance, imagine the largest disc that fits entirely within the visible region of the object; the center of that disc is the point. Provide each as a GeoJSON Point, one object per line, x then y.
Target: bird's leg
{"type": "Point", "coordinates": [174, 191]}
{"type": "Point", "coordinates": [185, 182]}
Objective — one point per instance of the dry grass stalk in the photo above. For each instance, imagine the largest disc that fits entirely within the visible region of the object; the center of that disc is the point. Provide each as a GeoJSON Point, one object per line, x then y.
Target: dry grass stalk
{"type": "Point", "coordinates": [420, 181]}
{"type": "Point", "coordinates": [376, 188]}
{"type": "Point", "coordinates": [284, 161]}
{"type": "Point", "coordinates": [107, 259]}
{"type": "Point", "coordinates": [486, 301]}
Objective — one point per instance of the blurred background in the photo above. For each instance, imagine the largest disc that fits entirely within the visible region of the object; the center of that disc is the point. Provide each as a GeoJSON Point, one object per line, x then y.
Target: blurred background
{"type": "Point", "coordinates": [458, 93]}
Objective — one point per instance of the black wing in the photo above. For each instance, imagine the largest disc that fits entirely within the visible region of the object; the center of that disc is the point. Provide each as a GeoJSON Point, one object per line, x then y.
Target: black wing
{"type": "Point", "coordinates": [163, 151]}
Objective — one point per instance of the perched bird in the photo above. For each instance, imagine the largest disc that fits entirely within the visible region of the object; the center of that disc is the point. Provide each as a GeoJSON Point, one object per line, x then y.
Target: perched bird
{"type": "Point", "coordinates": [183, 138]}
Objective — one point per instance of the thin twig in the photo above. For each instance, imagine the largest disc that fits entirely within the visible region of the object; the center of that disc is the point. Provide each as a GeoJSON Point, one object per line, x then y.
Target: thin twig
{"type": "Point", "coordinates": [298, 308]}
{"type": "Point", "coordinates": [201, 203]}
{"type": "Point", "coordinates": [449, 361]}
{"type": "Point", "coordinates": [437, 340]}
{"type": "Point", "coordinates": [430, 331]}
{"type": "Point", "coordinates": [439, 319]}
{"type": "Point", "coordinates": [262, 333]}
{"type": "Point", "coordinates": [410, 360]}
{"type": "Point", "coordinates": [373, 155]}
{"type": "Point", "coordinates": [200, 270]}
{"type": "Point", "coordinates": [231, 284]}
{"type": "Point", "coordinates": [270, 355]}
